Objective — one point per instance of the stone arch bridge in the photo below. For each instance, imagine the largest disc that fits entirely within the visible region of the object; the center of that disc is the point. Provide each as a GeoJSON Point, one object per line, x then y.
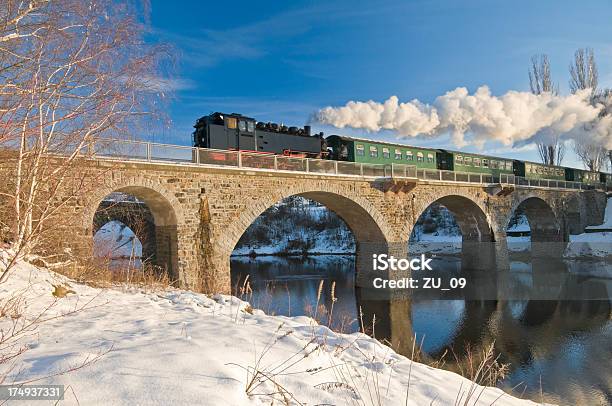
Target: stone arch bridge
{"type": "Point", "coordinates": [201, 211]}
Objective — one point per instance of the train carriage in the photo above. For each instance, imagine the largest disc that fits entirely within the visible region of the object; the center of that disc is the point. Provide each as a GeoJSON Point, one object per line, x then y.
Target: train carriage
{"type": "Point", "coordinates": [475, 163]}
{"type": "Point", "coordinates": [538, 171]}
{"type": "Point", "coordinates": [380, 152]}
{"type": "Point", "coordinates": [584, 176]}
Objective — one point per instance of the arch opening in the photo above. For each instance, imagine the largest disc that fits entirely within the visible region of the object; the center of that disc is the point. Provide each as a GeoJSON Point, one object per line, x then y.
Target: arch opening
{"type": "Point", "coordinates": [454, 226]}
{"type": "Point", "coordinates": [117, 245]}
{"type": "Point", "coordinates": [135, 228]}
{"type": "Point", "coordinates": [533, 229]}
{"type": "Point", "coordinates": [305, 255]}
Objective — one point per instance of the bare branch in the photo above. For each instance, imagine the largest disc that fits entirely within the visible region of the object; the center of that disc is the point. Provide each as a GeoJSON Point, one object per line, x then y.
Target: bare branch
{"type": "Point", "coordinates": [583, 71]}
{"type": "Point", "coordinates": [72, 72]}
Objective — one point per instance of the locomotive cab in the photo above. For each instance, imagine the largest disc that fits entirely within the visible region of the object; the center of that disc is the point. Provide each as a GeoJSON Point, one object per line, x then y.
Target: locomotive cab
{"type": "Point", "coordinates": [225, 131]}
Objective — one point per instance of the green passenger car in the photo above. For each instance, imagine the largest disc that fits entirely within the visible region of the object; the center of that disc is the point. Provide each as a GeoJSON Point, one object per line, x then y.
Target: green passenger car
{"type": "Point", "coordinates": [584, 176]}
{"type": "Point", "coordinates": [533, 170]}
{"type": "Point", "coordinates": [379, 152]}
{"type": "Point", "coordinates": [474, 163]}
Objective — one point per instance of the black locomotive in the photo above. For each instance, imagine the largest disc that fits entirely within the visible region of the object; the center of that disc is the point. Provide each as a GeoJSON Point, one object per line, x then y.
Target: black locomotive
{"type": "Point", "coordinates": [238, 132]}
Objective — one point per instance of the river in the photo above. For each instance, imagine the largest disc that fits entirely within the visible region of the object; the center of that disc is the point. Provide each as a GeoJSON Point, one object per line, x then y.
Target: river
{"type": "Point", "coordinates": [559, 351]}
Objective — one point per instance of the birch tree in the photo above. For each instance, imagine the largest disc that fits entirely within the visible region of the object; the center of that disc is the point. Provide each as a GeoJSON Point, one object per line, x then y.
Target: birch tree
{"type": "Point", "coordinates": [71, 71]}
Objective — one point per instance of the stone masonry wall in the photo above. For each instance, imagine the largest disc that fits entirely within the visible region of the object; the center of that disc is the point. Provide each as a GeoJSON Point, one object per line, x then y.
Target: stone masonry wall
{"type": "Point", "coordinates": [201, 212]}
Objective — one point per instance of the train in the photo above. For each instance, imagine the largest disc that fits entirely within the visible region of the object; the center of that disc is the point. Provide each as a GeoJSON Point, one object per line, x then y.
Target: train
{"type": "Point", "coordinates": [236, 132]}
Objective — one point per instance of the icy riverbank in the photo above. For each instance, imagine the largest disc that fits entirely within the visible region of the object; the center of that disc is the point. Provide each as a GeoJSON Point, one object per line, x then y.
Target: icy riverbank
{"type": "Point", "coordinates": [179, 347]}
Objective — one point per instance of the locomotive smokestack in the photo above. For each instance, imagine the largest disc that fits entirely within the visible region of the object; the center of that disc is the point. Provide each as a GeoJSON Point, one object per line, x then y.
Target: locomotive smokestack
{"type": "Point", "coordinates": [307, 130]}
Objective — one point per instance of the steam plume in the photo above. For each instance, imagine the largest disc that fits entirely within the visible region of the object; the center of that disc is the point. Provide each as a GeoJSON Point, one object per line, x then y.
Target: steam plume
{"type": "Point", "coordinates": [515, 117]}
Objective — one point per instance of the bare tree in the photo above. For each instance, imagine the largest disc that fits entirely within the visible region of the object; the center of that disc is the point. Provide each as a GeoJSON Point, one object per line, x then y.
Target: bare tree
{"type": "Point", "coordinates": [583, 76]}
{"type": "Point", "coordinates": [593, 156]}
{"type": "Point", "coordinates": [583, 71]}
{"type": "Point", "coordinates": [552, 150]}
{"type": "Point", "coordinates": [71, 72]}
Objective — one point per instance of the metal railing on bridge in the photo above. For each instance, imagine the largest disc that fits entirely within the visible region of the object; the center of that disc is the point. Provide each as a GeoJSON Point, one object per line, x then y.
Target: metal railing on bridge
{"type": "Point", "coordinates": [155, 152]}
{"type": "Point", "coordinates": [504, 179]}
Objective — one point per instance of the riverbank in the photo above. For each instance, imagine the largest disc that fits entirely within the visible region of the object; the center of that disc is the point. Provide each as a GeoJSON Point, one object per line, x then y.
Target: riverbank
{"type": "Point", "coordinates": [126, 345]}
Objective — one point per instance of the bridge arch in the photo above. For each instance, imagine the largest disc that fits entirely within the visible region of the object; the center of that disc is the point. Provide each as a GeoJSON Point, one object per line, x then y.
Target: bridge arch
{"type": "Point", "coordinates": [470, 213]}
{"type": "Point", "coordinates": [371, 232]}
{"type": "Point", "coordinates": [166, 217]}
{"type": "Point", "coordinates": [542, 219]}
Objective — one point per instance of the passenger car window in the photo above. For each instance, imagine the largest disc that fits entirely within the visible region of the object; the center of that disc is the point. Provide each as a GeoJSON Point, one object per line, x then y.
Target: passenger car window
{"type": "Point", "coordinates": [373, 151]}
{"type": "Point", "coordinates": [360, 150]}
{"type": "Point", "coordinates": [386, 153]}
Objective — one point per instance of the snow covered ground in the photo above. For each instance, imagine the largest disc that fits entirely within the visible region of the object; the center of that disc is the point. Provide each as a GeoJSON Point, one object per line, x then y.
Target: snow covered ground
{"type": "Point", "coordinates": [324, 242]}
{"type": "Point", "coordinates": [435, 244]}
{"type": "Point", "coordinates": [178, 347]}
{"type": "Point", "coordinates": [590, 244]}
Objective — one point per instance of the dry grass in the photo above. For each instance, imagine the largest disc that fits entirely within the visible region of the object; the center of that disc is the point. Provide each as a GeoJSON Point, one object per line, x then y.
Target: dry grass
{"type": "Point", "coordinates": [99, 273]}
{"type": "Point", "coordinates": [357, 386]}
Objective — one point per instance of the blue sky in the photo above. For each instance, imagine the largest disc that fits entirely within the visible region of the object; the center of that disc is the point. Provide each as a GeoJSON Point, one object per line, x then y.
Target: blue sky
{"type": "Point", "coordinates": [281, 61]}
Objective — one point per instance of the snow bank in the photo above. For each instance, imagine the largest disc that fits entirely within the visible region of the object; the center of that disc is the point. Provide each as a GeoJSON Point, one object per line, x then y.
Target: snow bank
{"type": "Point", "coordinates": [179, 347]}
{"type": "Point", "coordinates": [590, 245]}
{"type": "Point", "coordinates": [521, 225]}
{"type": "Point", "coordinates": [435, 244]}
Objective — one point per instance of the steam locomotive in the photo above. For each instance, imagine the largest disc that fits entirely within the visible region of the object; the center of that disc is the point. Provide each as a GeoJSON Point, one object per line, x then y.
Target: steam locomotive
{"type": "Point", "coordinates": [237, 132]}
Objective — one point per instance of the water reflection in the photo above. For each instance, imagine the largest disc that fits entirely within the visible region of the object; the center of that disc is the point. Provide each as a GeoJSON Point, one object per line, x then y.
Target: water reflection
{"type": "Point", "coordinates": [552, 321]}
{"type": "Point", "coordinates": [290, 286]}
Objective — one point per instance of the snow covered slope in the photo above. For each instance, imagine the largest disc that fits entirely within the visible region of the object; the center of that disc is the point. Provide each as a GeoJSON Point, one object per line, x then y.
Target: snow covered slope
{"type": "Point", "coordinates": [178, 347]}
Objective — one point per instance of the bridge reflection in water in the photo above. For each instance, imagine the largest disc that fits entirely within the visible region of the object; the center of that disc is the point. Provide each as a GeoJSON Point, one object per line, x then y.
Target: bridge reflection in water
{"type": "Point", "coordinates": [551, 320]}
